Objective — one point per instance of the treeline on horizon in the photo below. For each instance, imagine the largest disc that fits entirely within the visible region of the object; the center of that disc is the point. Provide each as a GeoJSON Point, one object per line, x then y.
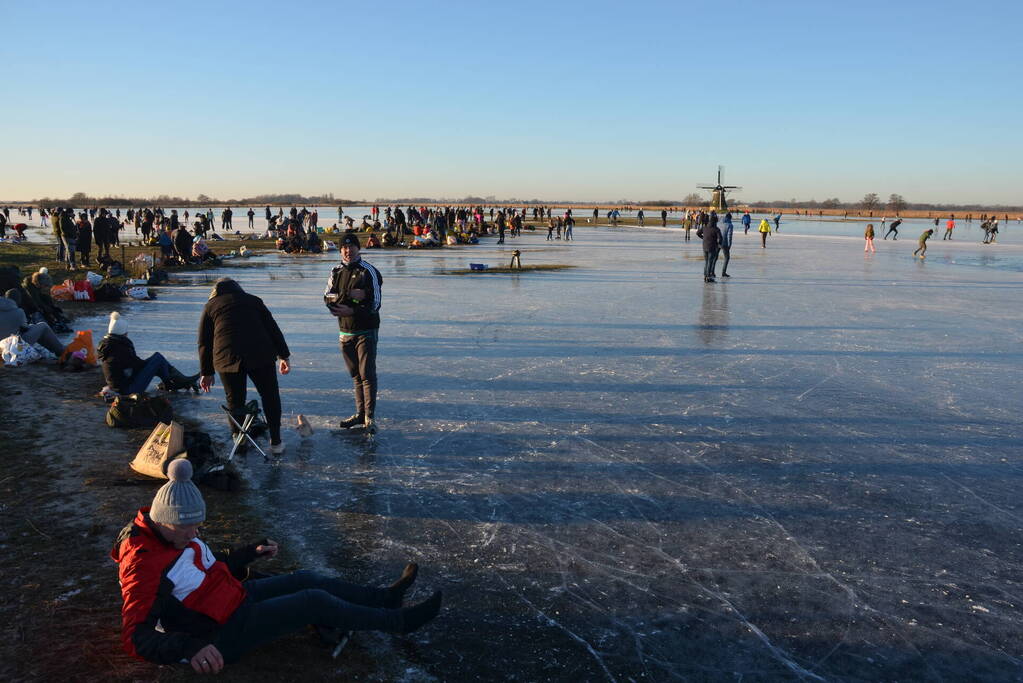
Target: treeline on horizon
{"type": "Point", "coordinates": [870, 202]}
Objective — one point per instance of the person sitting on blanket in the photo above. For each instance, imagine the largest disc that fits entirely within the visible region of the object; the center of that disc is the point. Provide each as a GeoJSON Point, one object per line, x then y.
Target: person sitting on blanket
{"type": "Point", "coordinates": [182, 603]}
{"type": "Point", "coordinates": [126, 373]}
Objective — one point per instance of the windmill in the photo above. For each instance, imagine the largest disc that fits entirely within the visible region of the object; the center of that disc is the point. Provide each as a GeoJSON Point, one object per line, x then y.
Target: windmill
{"type": "Point", "coordinates": [717, 198]}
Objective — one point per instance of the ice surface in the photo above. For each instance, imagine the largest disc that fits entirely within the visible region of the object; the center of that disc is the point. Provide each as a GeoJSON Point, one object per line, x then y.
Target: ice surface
{"type": "Point", "coordinates": [810, 471]}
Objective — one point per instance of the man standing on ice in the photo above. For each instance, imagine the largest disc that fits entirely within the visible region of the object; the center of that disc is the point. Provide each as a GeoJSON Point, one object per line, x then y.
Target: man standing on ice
{"type": "Point", "coordinates": [711, 236]}
{"type": "Point", "coordinates": [353, 296]}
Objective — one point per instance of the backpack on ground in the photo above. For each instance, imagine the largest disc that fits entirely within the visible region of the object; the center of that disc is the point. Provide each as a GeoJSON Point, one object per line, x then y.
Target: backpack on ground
{"type": "Point", "coordinates": [139, 411]}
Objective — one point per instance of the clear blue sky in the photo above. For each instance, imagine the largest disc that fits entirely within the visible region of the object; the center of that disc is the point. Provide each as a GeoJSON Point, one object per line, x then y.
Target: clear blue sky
{"type": "Point", "coordinates": [554, 100]}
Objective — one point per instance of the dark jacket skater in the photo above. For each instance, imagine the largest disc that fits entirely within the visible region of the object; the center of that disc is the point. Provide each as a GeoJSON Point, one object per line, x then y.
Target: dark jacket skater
{"type": "Point", "coordinates": [711, 237]}
{"type": "Point", "coordinates": [239, 338]}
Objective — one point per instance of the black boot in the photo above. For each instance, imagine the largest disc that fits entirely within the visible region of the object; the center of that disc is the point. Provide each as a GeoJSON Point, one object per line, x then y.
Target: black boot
{"type": "Point", "coordinates": [398, 588]}
{"type": "Point", "coordinates": [413, 618]}
{"type": "Point", "coordinates": [359, 418]}
{"type": "Point", "coordinates": [178, 380]}
{"type": "Point", "coordinates": [356, 420]}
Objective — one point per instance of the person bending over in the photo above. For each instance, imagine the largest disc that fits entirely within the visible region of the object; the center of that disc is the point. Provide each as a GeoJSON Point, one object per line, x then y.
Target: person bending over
{"type": "Point", "coordinates": [183, 603]}
{"type": "Point", "coordinates": [239, 339]}
{"type": "Point", "coordinates": [894, 228]}
{"type": "Point", "coordinates": [126, 373]}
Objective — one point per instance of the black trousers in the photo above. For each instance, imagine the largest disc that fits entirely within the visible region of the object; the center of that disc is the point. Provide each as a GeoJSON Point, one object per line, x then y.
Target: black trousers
{"type": "Point", "coordinates": [265, 379]}
{"type": "Point", "coordinates": [360, 354]}
{"type": "Point", "coordinates": [727, 251]}
{"type": "Point", "coordinates": [710, 259]}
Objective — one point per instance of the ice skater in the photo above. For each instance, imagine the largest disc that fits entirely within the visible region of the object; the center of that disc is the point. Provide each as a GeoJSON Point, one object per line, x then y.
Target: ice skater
{"type": "Point", "coordinates": [894, 228]}
{"type": "Point", "coordinates": [922, 244]}
{"type": "Point", "coordinates": [746, 220]}
{"type": "Point", "coordinates": [353, 297]}
{"type": "Point", "coordinates": [777, 222]}
{"type": "Point", "coordinates": [765, 230]}
{"type": "Point", "coordinates": [949, 227]}
{"type": "Point", "coordinates": [868, 236]}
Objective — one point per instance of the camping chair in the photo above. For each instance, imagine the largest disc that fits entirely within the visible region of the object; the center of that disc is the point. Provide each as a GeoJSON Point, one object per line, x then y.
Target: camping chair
{"type": "Point", "coordinates": [251, 414]}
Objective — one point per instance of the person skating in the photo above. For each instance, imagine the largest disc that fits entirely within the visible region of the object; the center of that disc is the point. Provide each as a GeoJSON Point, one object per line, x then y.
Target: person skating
{"type": "Point", "coordinates": [949, 227]}
{"type": "Point", "coordinates": [765, 230]}
{"type": "Point", "coordinates": [128, 374]}
{"type": "Point", "coordinates": [746, 220]}
{"type": "Point", "coordinates": [240, 340]}
{"type": "Point", "coordinates": [922, 248]}
{"type": "Point", "coordinates": [894, 228]}
{"type": "Point", "coordinates": [711, 236]}
{"type": "Point", "coordinates": [868, 236]}
{"type": "Point", "coordinates": [353, 296]}
{"type": "Point", "coordinates": [181, 602]}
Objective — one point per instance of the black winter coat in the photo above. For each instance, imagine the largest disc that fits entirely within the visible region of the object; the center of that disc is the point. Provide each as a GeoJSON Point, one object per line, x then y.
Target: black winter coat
{"type": "Point", "coordinates": [711, 236]}
{"type": "Point", "coordinates": [237, 332]}
{"type": "Point", "coordinates": [117, 354]}
{"type": "Point", "coordinates": [343, 279]}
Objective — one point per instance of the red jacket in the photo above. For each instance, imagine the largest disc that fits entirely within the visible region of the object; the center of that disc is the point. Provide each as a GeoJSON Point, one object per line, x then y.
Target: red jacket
{"type": "Point", "coordinates": [174, 600]}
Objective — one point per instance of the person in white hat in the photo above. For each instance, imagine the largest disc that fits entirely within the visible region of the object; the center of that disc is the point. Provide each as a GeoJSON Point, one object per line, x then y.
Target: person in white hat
{"type": "Point", "coordinates": [184, 603]}
{"type": "Point", "coordinates": [126, 373]}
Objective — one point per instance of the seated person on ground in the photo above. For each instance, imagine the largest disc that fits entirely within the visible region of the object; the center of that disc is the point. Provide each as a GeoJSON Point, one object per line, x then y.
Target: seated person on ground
{"type": "Point", "coordinates": [183, 603]}
{"type": "Point", "coordinates": [313, 244]}
{"type": "Point", "coordinates": [14, 321]}
{"type": "Point", "coordinates": [126, 373]}
{"type": "Point", "coordinates": [39, 305]}
{"type": "Point", "coordinates": [201, 251]}
{"type": "Point", "coordinates": [373, 242]}
{"type": "Point", "coordinates": [389, 239]}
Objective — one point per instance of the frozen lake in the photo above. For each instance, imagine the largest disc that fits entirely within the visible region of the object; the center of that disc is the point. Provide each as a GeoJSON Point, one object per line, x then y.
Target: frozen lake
{"type": "Point", "coordinates": [617, 472]}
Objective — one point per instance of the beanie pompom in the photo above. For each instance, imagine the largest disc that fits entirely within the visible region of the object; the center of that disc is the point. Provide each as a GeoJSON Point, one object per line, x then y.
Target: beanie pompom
{"type": "Point", "coordinates": [179, 470]}
{"type": "Point", "coordinates": [117, 325]}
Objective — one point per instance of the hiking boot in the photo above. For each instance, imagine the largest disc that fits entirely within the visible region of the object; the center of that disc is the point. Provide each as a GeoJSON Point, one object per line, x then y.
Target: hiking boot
{"type": "Point", "coordinates": [371, 426]}
{"type": "Point", "coordinates": [353, 421]}
{"type": "Point", "coordinates": [277, 448]}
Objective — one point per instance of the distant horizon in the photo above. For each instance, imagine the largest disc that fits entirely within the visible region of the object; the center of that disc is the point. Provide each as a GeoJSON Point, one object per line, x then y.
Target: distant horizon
{"type": "Point", "coordinates": [321, 200]}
